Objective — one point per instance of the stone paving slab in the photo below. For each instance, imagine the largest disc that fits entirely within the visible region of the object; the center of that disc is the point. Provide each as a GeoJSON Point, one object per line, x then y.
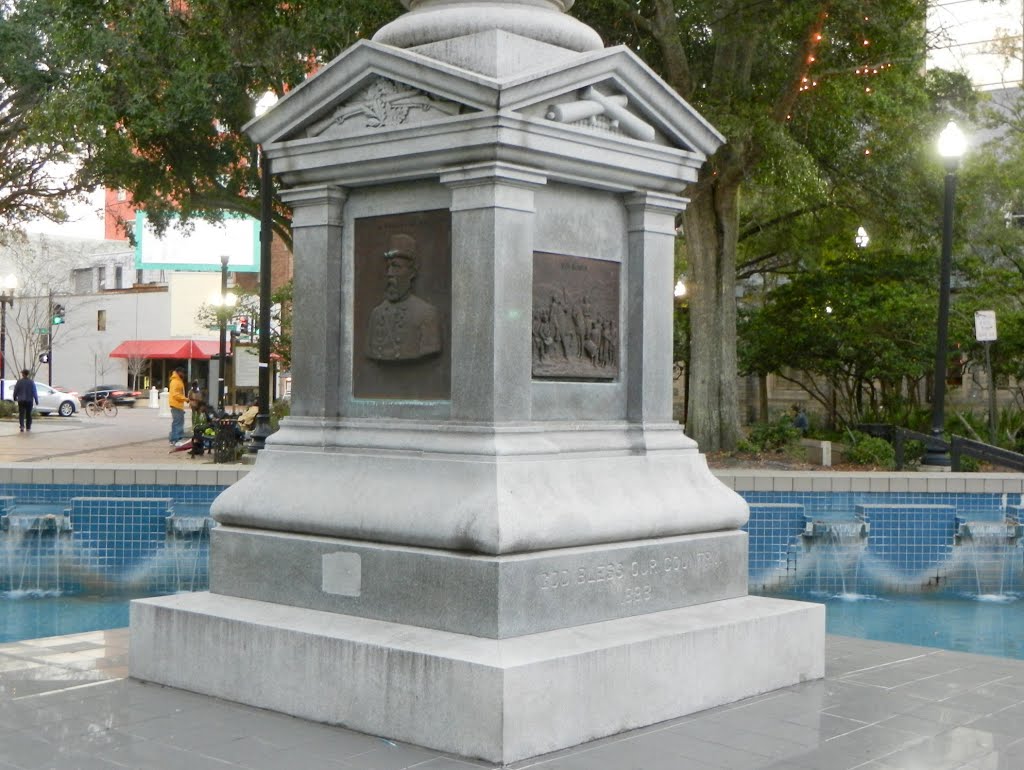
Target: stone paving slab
{"type": "Point", "coordinates": [876, 709]}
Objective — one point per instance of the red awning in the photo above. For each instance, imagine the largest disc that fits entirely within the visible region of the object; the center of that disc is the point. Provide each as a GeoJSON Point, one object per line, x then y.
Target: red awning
{"type": "Point", "coordinates": [192, 349]}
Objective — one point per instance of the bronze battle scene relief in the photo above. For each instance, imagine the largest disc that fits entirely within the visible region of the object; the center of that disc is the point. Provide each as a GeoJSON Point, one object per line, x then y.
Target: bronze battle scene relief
{"type": "Point", "coordinates": [575, 318]}
{"type": "Point", "coordinates": [402, 306]}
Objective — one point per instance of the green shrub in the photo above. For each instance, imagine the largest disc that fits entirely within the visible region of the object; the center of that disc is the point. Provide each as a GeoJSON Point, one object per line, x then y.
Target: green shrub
{"type": "Point", "coordinates": [899, 412]}
{"type": "Point", "coordinates": [1010, 428]}
{"type": "Point", "coordinates": [913, 453]}
{"type": "Point", "coordinates": [745, 447]}
{"type": "Point", "coordinates": [969, 464]}
{"type": "Point", "coordinates": [771, 436]}
{"type": "Point", "coordinates": [862, 449]}
{"type": "Point", "coordinates": [8, 409]}
{"type": "Point", "coordinates": [279, 409]}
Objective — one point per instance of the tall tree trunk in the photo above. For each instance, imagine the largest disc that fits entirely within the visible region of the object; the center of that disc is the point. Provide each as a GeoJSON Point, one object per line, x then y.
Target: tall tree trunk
{"type": "Point", "coordinates": [711, 220]}
{"type": "Point", "coordinates": [762, 402]}
{"type": "Point", "coordinates": [711, 225]}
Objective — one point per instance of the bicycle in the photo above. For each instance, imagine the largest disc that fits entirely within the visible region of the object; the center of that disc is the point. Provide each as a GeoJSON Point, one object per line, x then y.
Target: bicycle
{"type": "Point", "coordinates": [105, 405]}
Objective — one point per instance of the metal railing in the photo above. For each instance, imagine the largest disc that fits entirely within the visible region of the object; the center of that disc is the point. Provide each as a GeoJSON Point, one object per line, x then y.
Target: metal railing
{"type": "Point", "coordinates": [984, 452]}
{"type": "Point", "coordinates": [958, 447]}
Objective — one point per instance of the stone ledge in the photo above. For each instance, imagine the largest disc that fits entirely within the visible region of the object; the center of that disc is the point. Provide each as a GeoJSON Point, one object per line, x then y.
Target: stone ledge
{"type": "Point", "coordinates": [756, 480]}
{"type": "Point", "coordinates": [822, 452]}
{"type": "Point", "coordinates": [499, 700]}
{"type": "Point", "coordinates": [114, 473]}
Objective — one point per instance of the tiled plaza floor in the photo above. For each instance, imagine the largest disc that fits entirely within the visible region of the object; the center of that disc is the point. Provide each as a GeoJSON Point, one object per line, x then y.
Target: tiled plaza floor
{"type": "Point", "coordinates": [65, 703]}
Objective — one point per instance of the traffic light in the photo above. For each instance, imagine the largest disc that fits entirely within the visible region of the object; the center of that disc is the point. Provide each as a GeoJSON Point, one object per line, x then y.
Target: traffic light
{"type": "Point", "coordinates": [44, 358]}
{"type": "Point", "coordinates": [57, 314]}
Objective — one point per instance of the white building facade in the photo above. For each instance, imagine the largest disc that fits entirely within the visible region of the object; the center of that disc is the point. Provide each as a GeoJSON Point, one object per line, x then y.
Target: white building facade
{"type": "Point", "coordinates": [102, 302]}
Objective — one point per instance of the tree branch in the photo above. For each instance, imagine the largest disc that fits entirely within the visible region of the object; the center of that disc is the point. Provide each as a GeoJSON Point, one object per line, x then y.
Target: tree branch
{"type": "Point", "coordinates": [801, 68]}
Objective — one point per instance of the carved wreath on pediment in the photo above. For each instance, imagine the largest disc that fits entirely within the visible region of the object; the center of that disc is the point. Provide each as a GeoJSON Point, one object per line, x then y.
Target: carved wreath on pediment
{"type": "Point", "coordinates": [381, 104]}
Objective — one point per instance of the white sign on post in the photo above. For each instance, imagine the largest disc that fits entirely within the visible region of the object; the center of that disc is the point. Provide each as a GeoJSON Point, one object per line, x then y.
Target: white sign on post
{"type": "Point", "coordinates": [985, 325]}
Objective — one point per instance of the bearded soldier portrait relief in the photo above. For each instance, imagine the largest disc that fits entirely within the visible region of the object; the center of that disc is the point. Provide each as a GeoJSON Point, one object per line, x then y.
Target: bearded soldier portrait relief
{"type": "Point", "coordinates": [403, 327]}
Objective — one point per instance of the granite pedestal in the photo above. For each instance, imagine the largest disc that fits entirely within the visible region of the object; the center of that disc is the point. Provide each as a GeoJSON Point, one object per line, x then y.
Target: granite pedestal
{"type": "Point", "coordinates": [479, 529]}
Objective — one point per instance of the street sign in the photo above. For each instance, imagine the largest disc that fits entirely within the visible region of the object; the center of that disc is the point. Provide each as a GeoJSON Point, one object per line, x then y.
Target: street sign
{"type": "Point", "coordinates": [42, 331]}
{"type": "Point", "coordinates": [985, 325]}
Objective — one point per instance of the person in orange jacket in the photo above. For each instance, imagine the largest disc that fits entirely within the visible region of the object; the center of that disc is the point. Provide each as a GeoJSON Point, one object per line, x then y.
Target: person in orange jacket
{"type": "Point", "coordinates": [176, 401]}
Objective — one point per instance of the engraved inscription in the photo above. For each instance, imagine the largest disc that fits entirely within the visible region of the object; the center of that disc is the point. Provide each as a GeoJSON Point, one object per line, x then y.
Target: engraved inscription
{"type": "Point", "coordinates": [637, 594]}
{"type": "Point", "coordinates": [640, 577]}
{"type": "Point", "coordinates": [575, 317]}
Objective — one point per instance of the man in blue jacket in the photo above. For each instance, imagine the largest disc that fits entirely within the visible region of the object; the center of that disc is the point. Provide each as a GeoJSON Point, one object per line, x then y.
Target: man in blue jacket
{"type": "Point", "coordinates": [26, 396]}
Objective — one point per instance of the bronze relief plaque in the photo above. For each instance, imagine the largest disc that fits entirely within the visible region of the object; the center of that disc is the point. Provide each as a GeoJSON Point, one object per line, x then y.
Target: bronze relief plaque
{"type": "Point", "coordinates": [402, 311]}
{"type": "Point", "coordinates": [575, 318]}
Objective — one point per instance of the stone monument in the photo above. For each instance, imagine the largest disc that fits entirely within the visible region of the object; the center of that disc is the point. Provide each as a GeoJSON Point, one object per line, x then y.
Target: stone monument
{"type": "Point", "coordinates": [480, 530]}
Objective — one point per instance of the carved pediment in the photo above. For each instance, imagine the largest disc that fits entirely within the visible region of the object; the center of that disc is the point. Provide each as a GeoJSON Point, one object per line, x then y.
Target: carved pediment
{"type": "Point", "coordinates": [600, 111]}
{"type": "Point", "coordinates": [613, 92]}
{"type": "Point", "coordinates": [382, 103]}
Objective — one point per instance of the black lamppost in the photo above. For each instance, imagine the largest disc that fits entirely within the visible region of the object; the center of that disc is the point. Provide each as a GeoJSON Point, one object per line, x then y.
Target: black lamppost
{"type": "Point", "coordinates": [262, 427]}
{"type": "Point", "coordinates": [222, 302]}
{"type": "Point", "coordinates": [952, 144]}
{"type": "Point", "coordinates": [7, 286]}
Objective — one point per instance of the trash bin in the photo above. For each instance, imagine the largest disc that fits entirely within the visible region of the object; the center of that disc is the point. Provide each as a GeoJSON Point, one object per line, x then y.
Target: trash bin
{"type": "Point", "coordinates": [225, 444]}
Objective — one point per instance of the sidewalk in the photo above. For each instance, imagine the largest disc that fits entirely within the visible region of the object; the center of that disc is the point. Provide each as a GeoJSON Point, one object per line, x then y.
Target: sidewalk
{"type": "Point", "coordinates": [68, 706]}
{"type": "Point", "coordinates": [136, 436]}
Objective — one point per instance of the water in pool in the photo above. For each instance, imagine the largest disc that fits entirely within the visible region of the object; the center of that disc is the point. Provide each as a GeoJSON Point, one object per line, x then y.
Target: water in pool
{"type": "Point", "coordinates": [986, 624]}
{"type": "Point", "coordinates": [33, 615]}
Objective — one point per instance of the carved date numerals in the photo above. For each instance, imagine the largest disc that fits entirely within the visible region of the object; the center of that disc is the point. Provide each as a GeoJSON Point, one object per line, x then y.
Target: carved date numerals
{"type": "Point", "coordinates": [637, 594]}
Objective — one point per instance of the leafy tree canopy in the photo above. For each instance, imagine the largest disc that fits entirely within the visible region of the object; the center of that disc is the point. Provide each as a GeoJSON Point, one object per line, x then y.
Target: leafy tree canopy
{"type": "Point", "coordinates": [989, 239]}
{"type": "Point", "coordinates": [855, 320]}
{"type": "Point", "coordinates": [153, 94]}
{"type": "Point", "coordinates": [31, 185]}
{"type": "Point", "coordinates": [828, 116]}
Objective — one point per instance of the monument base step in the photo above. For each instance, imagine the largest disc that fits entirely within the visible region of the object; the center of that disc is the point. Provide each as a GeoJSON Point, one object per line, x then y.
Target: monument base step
{"type": "Point", "coordinates": [500, 700]}
{"type": "Point", "coordinates": [493, 596]}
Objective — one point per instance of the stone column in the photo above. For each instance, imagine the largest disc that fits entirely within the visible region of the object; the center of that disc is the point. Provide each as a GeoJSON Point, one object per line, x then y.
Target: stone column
{"type": "Point", "coordinates": [317, 371]}
{"type": "Point", "coordinates": [650, 280]}
{"type": "Point", "coordinates": [492, 277]}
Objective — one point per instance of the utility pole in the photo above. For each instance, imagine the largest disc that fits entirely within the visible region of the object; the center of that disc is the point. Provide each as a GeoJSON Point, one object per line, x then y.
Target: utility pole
{"type": "Point", "coordinates": [49, 338]}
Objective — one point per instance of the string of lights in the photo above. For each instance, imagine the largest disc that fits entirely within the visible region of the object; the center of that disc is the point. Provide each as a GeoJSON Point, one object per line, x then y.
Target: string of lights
{"type": "Point", "coordinates": [818, 36]}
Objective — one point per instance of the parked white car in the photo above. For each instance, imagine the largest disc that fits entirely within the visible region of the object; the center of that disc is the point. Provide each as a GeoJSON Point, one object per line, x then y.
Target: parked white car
{"type": "Point", "coordinates": [50, 400]}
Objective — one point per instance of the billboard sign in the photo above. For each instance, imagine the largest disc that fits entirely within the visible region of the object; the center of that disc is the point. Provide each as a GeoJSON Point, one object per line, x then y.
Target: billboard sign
{"type": "Point", "coordinates": [200, 247]}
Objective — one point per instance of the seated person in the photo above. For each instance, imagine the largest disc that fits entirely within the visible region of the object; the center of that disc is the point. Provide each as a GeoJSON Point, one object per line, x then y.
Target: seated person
{"type": "Point", "coordinates": [247, 420]}
{"type": "Point", "coordinates": [201, 428]}
{"type": "Point", "coordinates": [800, 421]}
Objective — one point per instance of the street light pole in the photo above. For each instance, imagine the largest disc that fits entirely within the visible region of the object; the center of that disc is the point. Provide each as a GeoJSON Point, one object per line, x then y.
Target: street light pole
{"type": "Point", "coordinates": [221, 317]}
{"type": "Point", "coordinates": [7, 286]}
{"type": "Point", "coordinates": [262, 427]}
{"type": "Point", "coordinates": [952, 144]}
